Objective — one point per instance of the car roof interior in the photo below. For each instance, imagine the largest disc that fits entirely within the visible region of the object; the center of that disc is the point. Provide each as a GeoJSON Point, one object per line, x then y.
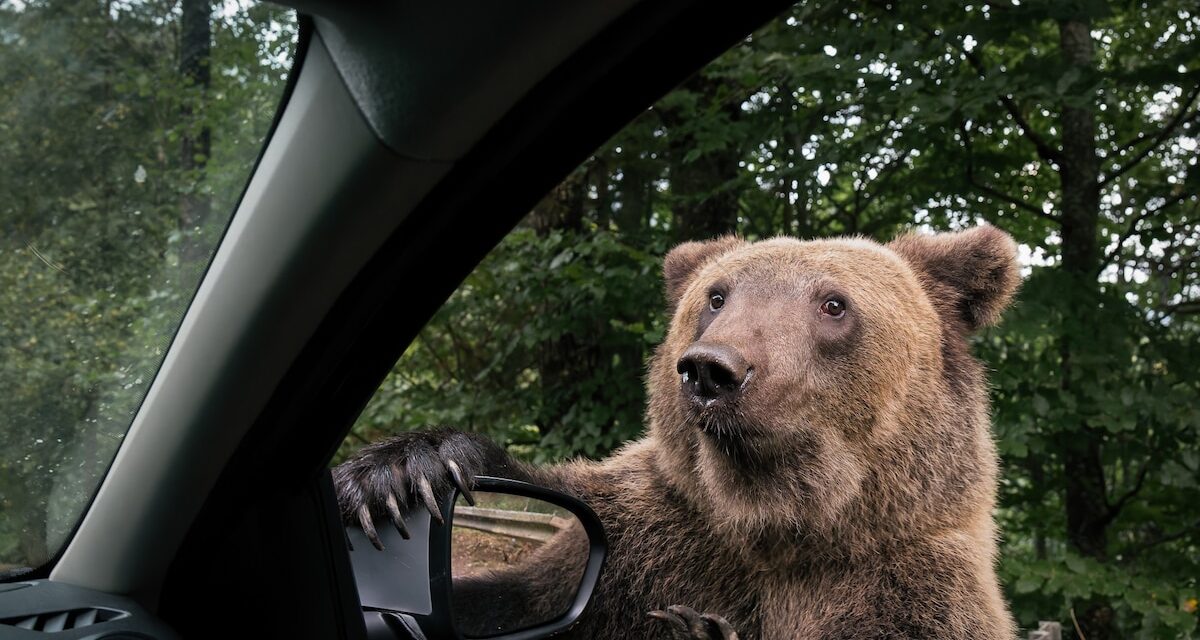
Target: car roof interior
{"type": "Point", "coordinates": [412, 138]}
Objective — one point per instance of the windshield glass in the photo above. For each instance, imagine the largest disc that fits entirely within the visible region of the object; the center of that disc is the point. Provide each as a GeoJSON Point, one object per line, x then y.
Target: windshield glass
{"type": "Point", "coordinates": [128, 131]}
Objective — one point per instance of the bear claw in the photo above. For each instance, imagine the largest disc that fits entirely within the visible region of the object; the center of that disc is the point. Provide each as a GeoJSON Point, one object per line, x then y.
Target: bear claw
{"type": "Point", "coordinates": [368, 526]}
{"type": "Point", "coordinates": [428, 499]}
{"type": "Point", "coordinates": [456, 475]}
{"type": "Point", "coordinates": [397, 519]}
{"type": "Point", "coordinates": [688, 624]}
{"type": "Point", "coordinates": [413, 470]}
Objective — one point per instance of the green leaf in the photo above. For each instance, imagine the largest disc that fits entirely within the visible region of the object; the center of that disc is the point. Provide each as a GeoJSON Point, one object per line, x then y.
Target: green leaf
{"type": "Point", "coordinates": [1028, 584]}
{"type": "Point", "coordinates": [1040, 405]}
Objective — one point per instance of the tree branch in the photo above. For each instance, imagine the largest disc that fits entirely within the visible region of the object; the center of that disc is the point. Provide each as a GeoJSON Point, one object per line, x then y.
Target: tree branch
{"type": "Point", "coordinates": [1183, 308]}
{"type": "Point", "coordinates": [1044, 150]}
{"type": "Point", "coordinates": [1162, 539]}
{"type": "Point", "coordinates": [1142, 136]}
{"type": "Point", "coordinates": [1115, 509]}
{"type": "Point", "coordinates": [882, 179]}
{"type": "Point", "coordinates": [992, 191]}
{"type": "Point", "coordinates": [448, 371]}
{"type": "Point", "coordinates": [1174, 259]}
{"type": "Point", "coordinates": [1163, 134]}
{"type": "Point", "coordinates": [1131, 230]}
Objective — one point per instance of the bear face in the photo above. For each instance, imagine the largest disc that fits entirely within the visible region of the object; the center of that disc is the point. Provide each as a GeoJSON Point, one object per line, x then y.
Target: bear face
{"type": "Point", "coordinates": [825, 386]}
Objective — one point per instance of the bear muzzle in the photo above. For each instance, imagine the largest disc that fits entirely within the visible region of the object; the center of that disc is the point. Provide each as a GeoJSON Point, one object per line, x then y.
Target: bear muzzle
{"type": "Point", "coordinates": [713, 374]}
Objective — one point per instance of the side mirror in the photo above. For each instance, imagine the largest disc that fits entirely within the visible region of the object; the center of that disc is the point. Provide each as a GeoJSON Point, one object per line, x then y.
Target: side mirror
{"type": "Point", "coordinates": [521, 563]}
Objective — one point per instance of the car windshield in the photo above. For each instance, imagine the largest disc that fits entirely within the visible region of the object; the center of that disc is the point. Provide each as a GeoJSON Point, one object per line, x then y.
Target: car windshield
{"type": "Point", "coordinates": [128, 131]}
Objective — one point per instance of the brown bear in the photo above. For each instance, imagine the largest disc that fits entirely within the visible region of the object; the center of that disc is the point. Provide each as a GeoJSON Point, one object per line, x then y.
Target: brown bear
{"type": "Point", "coordinates": [818, 461]}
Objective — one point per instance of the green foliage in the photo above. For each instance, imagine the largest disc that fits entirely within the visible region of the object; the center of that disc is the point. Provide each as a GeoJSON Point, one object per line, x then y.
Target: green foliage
{"type": "Point", "coordinates": [478, 364]}
{"type": "Point", "coordinates": [1136, 381]}
{"type": "Point", "coordinates": [1046, 588]}
{"type": "Point", "coordinates": [96, 267]}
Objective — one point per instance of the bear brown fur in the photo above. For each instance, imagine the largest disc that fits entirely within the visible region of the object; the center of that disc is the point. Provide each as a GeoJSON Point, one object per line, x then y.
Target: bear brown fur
{"type": "Point", "coordinates": [818, 460]}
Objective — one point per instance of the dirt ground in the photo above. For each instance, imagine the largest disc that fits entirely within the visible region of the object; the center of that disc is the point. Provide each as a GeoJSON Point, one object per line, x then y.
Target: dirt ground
{"type": "Point", "coordinates": [472, 551]}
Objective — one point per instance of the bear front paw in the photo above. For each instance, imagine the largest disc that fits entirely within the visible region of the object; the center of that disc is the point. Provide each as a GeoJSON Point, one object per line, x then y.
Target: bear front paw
{"type": "Point", "coordinates": [411, 470]}
{"type": "Point", "coordinates": [686, 623]}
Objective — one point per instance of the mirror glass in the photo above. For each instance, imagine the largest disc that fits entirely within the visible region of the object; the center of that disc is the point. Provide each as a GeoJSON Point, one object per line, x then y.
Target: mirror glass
{"type": "Point", "coordinates": [516, 562]}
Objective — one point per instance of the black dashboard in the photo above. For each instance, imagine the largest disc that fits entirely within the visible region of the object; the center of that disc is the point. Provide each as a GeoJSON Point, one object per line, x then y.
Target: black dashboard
{"type": "Point", "coordinates": [36, 608]}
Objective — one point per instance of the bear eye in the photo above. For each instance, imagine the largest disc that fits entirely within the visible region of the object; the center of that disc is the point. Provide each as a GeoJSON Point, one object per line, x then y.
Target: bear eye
{"type": "Point", "coordinates": [716, 301]}
{"type": "Point", "coordinates": [834, 308]}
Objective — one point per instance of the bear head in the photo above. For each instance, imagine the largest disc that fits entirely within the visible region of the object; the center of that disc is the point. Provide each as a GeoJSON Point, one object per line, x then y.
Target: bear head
{"type": "Point", "coordinates": [826, 387]}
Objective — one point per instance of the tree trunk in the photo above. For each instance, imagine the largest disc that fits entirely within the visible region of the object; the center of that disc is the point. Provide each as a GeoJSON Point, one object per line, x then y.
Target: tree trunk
{"type": "Point", "coordinates": [636, 198]}
{"type": "Point", "coordinates": [195, 49]}
{"type": "Point", "coordinates": [712, 173]}
{"type": "Point", "coordinates": [714, 215]}
{"type": "Point", "coordinates": [562, 209]}
{"type": "Point", "coordinates": [565, 358]}
{"type": "Point", "coordinates": [1088, 512]}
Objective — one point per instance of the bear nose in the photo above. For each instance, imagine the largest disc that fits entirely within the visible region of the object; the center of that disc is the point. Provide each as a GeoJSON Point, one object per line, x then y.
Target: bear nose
{"type": "Point", "coordinates": [712, 371]}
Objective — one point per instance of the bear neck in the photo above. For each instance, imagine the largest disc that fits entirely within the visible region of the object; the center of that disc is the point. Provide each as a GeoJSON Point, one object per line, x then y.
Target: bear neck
{"type": "Point", "coordinates": [920, 485]}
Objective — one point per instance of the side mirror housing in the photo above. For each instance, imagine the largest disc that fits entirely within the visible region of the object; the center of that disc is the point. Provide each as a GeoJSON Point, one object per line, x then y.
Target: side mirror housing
{"type": "Point", "coordinates": [521, 563]}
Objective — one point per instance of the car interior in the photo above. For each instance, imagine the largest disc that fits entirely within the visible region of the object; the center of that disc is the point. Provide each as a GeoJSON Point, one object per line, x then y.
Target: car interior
{"type": "Point", "coordinates": [410, 139]}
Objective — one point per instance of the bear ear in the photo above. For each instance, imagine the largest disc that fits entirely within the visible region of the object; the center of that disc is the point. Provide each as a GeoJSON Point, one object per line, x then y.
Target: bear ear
{"type": "Point", "coordinates": [972, 273]}
{"type": "Point", "coordinates": [685, 260]}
